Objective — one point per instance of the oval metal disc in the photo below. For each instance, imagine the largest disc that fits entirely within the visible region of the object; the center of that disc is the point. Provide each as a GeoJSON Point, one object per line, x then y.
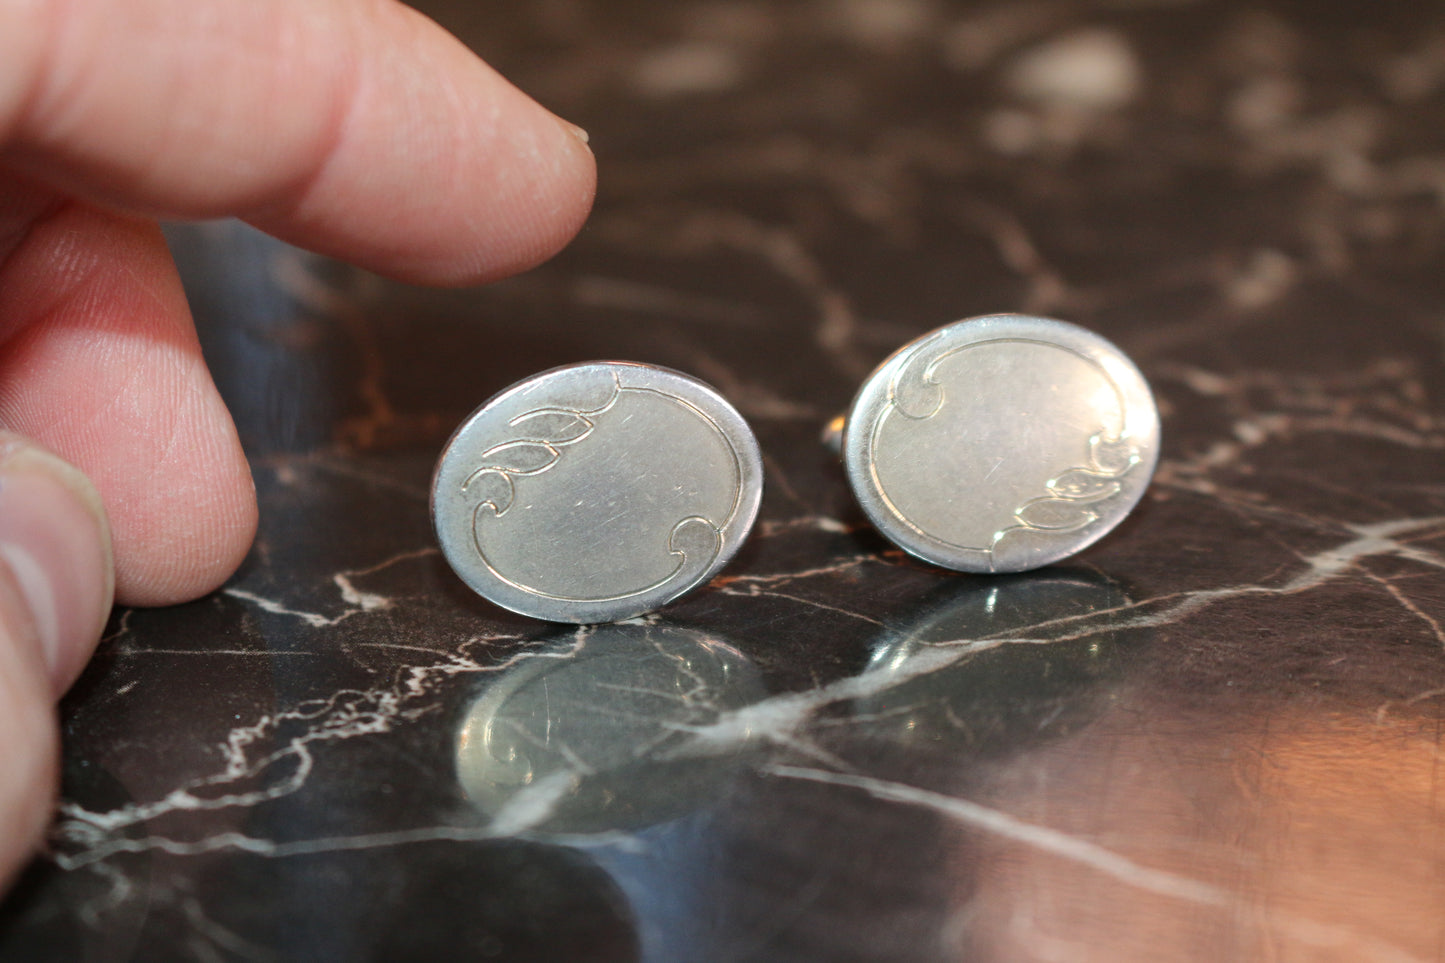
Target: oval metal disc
{"type": "Point", "coordinates": [1001, 443]}
{"type": "Point", "coordinates": [596, 492]}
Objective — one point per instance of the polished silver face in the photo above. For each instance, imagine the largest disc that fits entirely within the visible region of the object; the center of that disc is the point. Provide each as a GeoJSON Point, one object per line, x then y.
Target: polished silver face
{"type": "Point", "coordinates": [596, 492]}
{"type": "Point", "coordinates": [1001, 443]}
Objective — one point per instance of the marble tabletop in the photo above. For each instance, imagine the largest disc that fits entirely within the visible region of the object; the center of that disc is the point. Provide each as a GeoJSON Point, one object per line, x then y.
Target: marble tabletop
{"type": "Point", "coordinates": [1214, 735]}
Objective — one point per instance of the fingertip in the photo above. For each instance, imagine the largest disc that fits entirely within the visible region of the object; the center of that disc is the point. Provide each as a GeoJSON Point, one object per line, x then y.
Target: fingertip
{"type": "Point", "coordinates": [550, 210]}
{"type": "Point", "coordinates": [104, 368]}
{"type": "Point", "coordinates": [524, 199]}
{"type": "Point", "coordinates": [54, 591]}
{"type": "Point", "coordinates": [55, 558]}
{"type": "Point", "coordinates": [29, 739]}
{"type": "Point", "coordinates": [447, 175]}
{"type": "Point", "coordinates": [558, 206]}
{"type": "Point", "coordinates": [372, 134]}
{"type": "Point", "coordinates": [30, 746]}
{"type": "Point", "coordinates": [175, 555]}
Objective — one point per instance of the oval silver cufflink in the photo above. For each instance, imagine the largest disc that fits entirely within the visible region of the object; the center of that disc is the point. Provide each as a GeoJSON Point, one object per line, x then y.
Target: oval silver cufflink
{"type": "Point", "coordinates": [1000, 443]}
{"type": "Point", "coordinates": [595, 492]}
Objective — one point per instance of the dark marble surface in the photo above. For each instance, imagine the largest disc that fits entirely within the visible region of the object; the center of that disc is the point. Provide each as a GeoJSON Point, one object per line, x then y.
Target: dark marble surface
{"type": "Point", "coordinates": [1213, 736]}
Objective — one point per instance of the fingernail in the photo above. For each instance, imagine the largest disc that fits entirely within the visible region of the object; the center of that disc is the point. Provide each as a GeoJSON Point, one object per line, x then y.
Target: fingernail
{"type": "Point", "coordinates": [55, 546]}
{"type": "Point", "coordinates": [578, 133]}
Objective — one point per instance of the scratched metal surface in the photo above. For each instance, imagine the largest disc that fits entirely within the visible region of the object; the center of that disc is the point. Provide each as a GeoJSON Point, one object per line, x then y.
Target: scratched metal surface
{"type": "Point", "coordinates": [1214, 735]}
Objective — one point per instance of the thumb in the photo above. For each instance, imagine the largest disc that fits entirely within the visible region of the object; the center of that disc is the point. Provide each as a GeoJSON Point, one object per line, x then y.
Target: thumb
{"type": "Point", "coordinates": [56, 585]}
{"type": "Point", "coordinates": [57, 579]}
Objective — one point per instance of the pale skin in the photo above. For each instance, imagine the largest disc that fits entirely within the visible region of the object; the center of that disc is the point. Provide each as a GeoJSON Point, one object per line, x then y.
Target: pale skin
{"type": "Point", "coordinates": [355, 128]}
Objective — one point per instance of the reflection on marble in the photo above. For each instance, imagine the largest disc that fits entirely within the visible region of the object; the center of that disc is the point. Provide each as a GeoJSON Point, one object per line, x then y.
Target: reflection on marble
{"type": "Point", "coordinates": [596, 737]}
{"type": "Point", "coordinates": [1214, 735]}
{"type": "Point", "coordinates": [1006, 661]}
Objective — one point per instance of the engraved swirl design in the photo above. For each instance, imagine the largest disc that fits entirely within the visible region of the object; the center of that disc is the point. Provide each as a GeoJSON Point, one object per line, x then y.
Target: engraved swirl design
{"type": "Point", "coordinates": [1066, 498]}
{"type": "Point", "coordinates": [542, 440]}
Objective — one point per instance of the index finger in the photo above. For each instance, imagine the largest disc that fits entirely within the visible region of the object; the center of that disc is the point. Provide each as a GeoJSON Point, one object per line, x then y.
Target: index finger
{"type": "Point", "coordinates": [356, 128]}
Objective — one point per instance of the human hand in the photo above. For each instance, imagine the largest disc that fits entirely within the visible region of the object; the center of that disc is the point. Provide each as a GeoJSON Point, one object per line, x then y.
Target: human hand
{"type": "Point", "coordinates": [356, 128]}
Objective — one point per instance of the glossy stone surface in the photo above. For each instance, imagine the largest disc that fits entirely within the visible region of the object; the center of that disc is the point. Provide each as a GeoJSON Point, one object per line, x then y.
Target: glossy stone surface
{"type": "Point", "coordinates": [1214, 735]}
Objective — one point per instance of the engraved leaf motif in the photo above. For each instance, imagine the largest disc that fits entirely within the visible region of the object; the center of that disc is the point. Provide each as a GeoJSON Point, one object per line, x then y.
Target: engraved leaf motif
{"type": "Point", "coordinates": [695, 536]}
{"type": "Point", "coordinates": [594, 393]}
{"type": "Point", "coordinates": [1113, 455]}
{"type": "Point", "coordinates": [520, 457]}
{"type": "Point", "coordinates": [698, 542]}
{"type": "Point", "coordinates": [490, 488]}
{"type": "Point", "coordinates": [1065, 508]}
{"type": "Point", "coordinates": [1077, 484]}
{"type": "Point", "coordinates": [914, 396]}
{"type": "Point", "coordinates": [1055, 515]}
{"type": "Point", "coordinates": [557, 426]}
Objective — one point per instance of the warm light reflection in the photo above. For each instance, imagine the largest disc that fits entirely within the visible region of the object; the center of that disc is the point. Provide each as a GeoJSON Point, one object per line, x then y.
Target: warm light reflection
{"type": "Point", "coordinates": [1318, 836]}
